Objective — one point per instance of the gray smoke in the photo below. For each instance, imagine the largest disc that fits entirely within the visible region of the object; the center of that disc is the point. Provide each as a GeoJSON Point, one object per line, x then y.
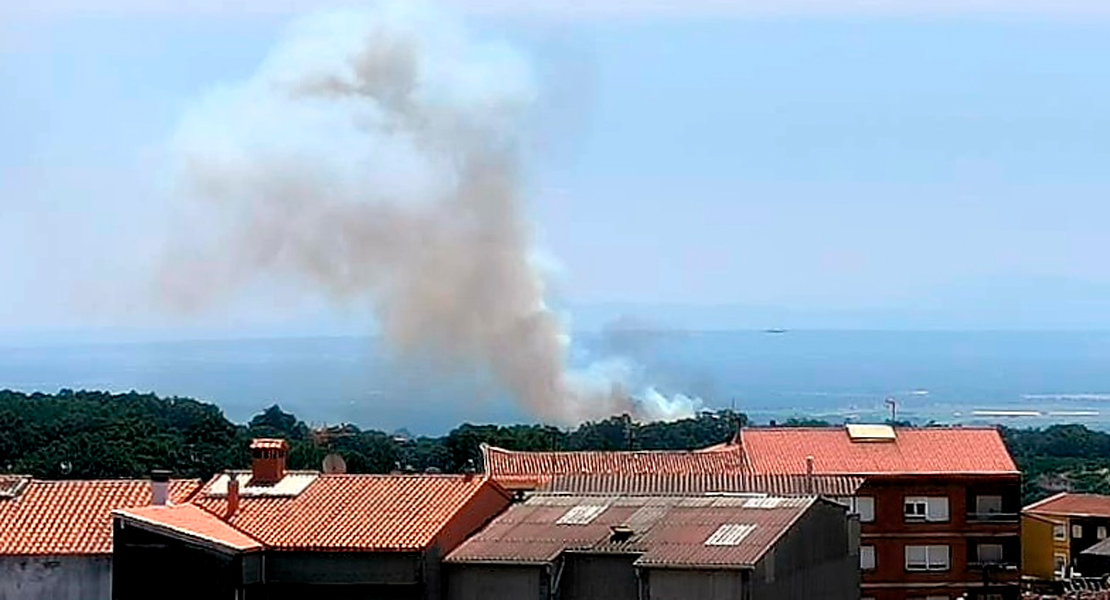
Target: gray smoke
{"type": "Point", "coordinates": [376, 157]}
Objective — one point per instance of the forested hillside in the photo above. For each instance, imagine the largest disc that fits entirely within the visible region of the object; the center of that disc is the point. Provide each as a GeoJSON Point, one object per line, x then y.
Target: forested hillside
{"type": "Point", "coordinates": [85, 435]}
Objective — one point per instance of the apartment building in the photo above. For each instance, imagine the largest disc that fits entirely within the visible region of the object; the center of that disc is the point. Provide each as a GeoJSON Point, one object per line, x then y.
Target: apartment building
{"type": "Point", "coordinates": [939, 508]}
{"type": "Point", "coordinates": [1058, 530]}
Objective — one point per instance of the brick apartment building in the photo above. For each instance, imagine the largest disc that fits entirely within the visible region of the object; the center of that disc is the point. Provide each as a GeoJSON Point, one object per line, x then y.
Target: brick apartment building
{"type": "Point", "coordinates": [939, 507]}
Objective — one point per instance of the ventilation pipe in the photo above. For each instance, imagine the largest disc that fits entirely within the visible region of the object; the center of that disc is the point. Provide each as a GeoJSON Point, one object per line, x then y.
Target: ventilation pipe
{"type": "Point", "coordinates": [232, 496]}
{"type": "Point", "coordinates": [810, 487]}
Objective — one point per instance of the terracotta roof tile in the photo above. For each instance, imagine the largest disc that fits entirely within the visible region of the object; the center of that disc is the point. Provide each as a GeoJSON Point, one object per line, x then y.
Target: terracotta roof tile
{"type": "Point", "coordinates": [665, 530]}
{"type": "Point", "coordinates": [191, 521]}
{"type": "Point", "coordinates": [700, 483]}
{"type": "Point", "coordinates": [914, 451]}
{"type": "Point", "coordinates": [1066, 504]}
{"type": "Point", "coordinates": [367, 512]}
{"type": "Point", "coordinates": [73, 517]}
{"type": "Point", "coordinates": [529, 470]}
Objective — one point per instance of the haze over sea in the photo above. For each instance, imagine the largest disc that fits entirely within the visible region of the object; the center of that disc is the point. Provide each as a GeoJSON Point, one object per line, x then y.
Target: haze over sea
{"type": "Point", "coordinates": [834, 375]}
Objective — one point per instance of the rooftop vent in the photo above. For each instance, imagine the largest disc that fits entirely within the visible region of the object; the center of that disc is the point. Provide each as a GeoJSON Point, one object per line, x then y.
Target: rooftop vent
{"type": "Point", "coordinates": [620, 533]}
{"type": "Point", "coordinates": [871, 433]}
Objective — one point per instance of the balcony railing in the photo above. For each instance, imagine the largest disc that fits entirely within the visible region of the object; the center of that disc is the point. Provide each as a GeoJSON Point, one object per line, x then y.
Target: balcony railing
{"type": "Point", "coordinates": [996, 565]}
{"type": "Point", "coordinates": [993, 517]}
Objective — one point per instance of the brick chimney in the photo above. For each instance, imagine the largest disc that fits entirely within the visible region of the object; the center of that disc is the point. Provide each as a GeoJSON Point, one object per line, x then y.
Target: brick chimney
{"type": "Point", "coordinates": [268, 461]}
{"type": "Point", "coordinates": [232, 496]}
{"type": "Point", "coordinates": [159, 487]}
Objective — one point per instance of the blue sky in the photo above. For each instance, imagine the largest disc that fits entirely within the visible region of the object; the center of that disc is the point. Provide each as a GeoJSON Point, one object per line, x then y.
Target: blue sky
{"type": "Point", "coordinates": [899, 164]}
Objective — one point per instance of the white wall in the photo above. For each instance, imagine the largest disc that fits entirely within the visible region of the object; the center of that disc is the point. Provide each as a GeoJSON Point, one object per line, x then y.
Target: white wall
{"type": "Point", "coordinates": [56, 577]}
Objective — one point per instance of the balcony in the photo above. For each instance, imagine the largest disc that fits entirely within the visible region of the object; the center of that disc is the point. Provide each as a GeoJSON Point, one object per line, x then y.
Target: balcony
{"type": "Point", "coordinates": [993, 517]}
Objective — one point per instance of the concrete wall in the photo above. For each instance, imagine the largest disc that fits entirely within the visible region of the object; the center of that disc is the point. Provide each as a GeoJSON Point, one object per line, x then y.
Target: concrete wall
{"type": "Point", "coordinates": [487, 582]}
{"type": "Point", "coordinates": [55, 577]}
{"type": "Point", "coordinates": [598, 577]}
{"type": "Point", "coordinates": [817, 559]}
{"type": "Point", "coordinates": [664, 584]}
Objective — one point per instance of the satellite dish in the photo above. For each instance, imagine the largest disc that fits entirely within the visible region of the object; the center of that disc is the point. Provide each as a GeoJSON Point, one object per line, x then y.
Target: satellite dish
{"type": "Point", "coordinates": [334, 464]}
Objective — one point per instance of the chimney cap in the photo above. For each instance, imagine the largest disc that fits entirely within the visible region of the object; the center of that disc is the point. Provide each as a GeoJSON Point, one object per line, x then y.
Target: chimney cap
{"type": "Point", "coordinates": [160, 475]}
{"type": "Point", "coordinates": [269, 444]}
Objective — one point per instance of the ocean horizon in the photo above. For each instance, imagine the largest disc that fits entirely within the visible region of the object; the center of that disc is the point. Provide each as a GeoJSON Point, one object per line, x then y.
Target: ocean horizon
{"type": "Point", "coordinates": [1016, 378]}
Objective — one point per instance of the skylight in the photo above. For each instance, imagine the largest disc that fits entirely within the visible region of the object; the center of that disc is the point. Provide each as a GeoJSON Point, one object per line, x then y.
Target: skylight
{"type": "Point", "coordinates": [729, 534]}
{"type": "Point", "coordinates": [581, 515]}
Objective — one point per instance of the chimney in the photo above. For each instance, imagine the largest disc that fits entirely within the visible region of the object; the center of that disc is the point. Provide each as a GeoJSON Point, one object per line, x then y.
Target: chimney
{"type": "Point", "coordinates": [232, 495]}
{"type": "Point", "coordinates": [268, 461]}
{"type": "Point", "coordinates": [159, 487]}
{"type": "Point", "coordinates": [809, 475]}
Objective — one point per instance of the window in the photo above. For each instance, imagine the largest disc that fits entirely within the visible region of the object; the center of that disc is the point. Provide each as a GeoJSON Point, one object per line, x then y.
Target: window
{"type": "Point", "coordinates": [989, 553]}
{"type": "Point", "coordinates": [1060, 564]}
{"type": "Point", "coordinates": [866, 557]}
{"type": "Point", "coordinates": [986, 505]}
{"type": "Point", "coordinates": [864, 506]}
{"type": "Point", "coordinates": [926, 558]}
{"type": "Point", "coordinates": [1101, 532]}
{"type": "Point", "coordinates": [1059, 532]}
{"type": "Point", "coordinates": [1076, 531]}
{"type": "Point", "coordinates": [933, 509]}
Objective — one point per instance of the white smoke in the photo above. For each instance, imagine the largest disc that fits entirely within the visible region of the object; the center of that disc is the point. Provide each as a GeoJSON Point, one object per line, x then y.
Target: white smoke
{"type": "Point", "coordinates": [375, 156]}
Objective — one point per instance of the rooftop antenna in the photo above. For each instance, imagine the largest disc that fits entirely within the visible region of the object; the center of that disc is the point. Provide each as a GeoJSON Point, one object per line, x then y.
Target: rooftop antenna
{"type": "Point", "coordinates": [893, 404]}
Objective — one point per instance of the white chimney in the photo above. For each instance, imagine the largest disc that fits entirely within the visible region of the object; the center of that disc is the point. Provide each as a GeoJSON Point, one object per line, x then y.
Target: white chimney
{"type": "Point", "coordinates": [159, 487]}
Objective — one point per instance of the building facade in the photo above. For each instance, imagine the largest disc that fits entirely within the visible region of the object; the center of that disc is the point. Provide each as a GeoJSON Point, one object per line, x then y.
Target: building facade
{"type": "Point", "coordinates": [939, 507]}
{"type": "Point", "coordinates": [56, 536]}
{"type": "Point", "coordinates": [1056, 532]}
{"type": "Point", "coordinates": [275, 534]}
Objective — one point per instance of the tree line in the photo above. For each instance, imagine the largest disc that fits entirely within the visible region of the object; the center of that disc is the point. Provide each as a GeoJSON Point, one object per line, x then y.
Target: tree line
{"type": "Point", "coordinates": [94, 435]}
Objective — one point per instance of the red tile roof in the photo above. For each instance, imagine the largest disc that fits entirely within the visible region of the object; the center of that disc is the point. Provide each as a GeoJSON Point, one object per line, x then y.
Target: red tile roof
{"type": "Point", "coordinates": [915, 451]}
{"type": "Point", "coordinates": [700, 483]}
{"type": "Point", "coordinates": [193, 522]}
{"type": "Point", "coordinates": [72, 517]}
{"type": "Point", "coordinates": [666, 530]}
{"type": "Point", "coordinates": [368, 512]}
{"type": "Point", "coordinates": [1066, 504]}
{"type": "Point", "coordinates": [529, 470]}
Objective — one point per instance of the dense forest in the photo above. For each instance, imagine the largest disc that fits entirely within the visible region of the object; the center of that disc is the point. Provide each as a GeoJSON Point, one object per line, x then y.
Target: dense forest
{"type": "Point", "coordinates": [87, 435]}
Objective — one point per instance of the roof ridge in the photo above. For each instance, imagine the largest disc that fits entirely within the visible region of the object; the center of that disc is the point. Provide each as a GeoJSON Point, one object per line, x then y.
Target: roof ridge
{"type": "Point", "coordinates": [641, 451]}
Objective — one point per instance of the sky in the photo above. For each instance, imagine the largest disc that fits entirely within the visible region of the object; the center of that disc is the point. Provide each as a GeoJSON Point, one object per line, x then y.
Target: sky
{"type": "Point", "coordinates": [706, 164]}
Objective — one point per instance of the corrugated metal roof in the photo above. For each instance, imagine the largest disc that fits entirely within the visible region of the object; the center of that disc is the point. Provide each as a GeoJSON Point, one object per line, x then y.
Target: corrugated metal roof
{"type": "Point", "coordinates": [700, 483]}
{"type": "Point", "coordinates": [530, 470]}
{"type": "Point", "coordinates": [914, 451]}
{"type": "Point", "coordinates": [73, 517]}
{"type": "Point", "coordinates": [363, 513]}
{"type": "Point", "coordinates": [1067, 504]}
{"type": "Point", "coordinates": [710, 531]}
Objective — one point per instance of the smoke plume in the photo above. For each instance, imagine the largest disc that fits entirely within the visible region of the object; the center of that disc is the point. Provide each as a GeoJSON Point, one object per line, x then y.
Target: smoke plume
{"type": "Point", "coordinates": [376, 156]}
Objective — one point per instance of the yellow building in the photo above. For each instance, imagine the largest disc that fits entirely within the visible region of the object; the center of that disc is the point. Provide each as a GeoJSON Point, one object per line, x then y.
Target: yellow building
{"type": "Point", "coordinates": [1054, 531]}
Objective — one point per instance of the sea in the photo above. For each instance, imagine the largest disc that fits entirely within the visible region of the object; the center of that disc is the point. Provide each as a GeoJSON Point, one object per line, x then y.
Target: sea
{"type": "Point", "coordinates": [1013, 378]}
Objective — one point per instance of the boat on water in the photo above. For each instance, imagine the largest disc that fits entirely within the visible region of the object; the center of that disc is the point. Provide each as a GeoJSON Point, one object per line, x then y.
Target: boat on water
{"type": "Point", "coordinates": [774, 331]}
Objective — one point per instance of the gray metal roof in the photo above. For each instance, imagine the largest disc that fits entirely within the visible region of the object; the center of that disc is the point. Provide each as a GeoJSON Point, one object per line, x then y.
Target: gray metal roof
{"type": "Point", "coordinates": [665, 531]}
